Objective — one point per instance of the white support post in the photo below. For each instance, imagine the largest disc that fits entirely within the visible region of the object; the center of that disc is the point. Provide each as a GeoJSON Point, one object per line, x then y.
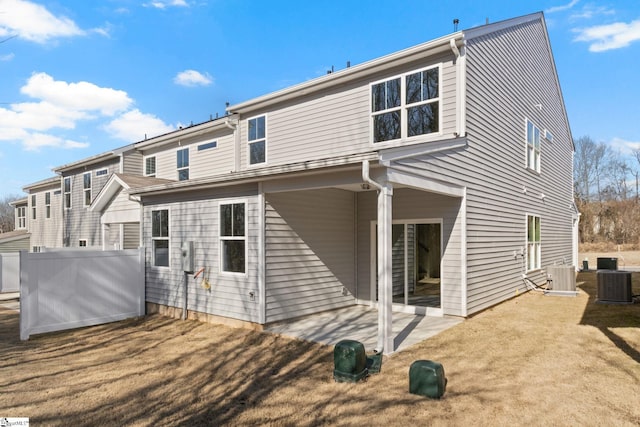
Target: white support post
{"type": "Point", "coordinates": [385, 283]}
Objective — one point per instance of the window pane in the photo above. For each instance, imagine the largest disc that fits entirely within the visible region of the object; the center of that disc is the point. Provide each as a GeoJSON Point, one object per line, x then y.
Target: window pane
{"type": "Point", "coordinates": [183, 158]}
{"type": "Point", "coordinates": [238, 219]}
{"type": "Point", "coordinates": [422, 119]}
{"type": "Point", "coordinates": [256, 152]}
{"type": "Point", "coordinates": [67, 200]}
{"type": "Point", "coordinates": [233, 256]}
{"type": "Point", "coordinates": [529, 133]}
{"type": "Point", "coordinates": [87, 197]}
{"type": "Point", "coordinates": [161, 253]}
{"type": "Point", "coordinates": [87, 180]}
{"type": "Point", "coordinates": [393, 93]}
{"type": "Point", "coordinates": [377, 97]}
{"type": "Point", "coordinates": [47, 198]}
{"type": "Point", "coordinates": [67, 185]}
{"type": "Point", "coordinates": [160, 223]}
{"type": "Point", "coordinates": [414, 88]}
{"type": "Point", "coordinates": [253, 132]}
{"type": "Point", "coordinates": [183, 174]}
{"type": "Point", "coordinates": [225, 220]}
{"type": "Point", "coordinates": [386, 126]}
{"type": "Point", "coordinates": [537, 229]}
{"type": "Point", "coordinates": [150, 166]}
{"type": "Point", "coordinates": [430, 84]}
{"type": "Point", "coordinates": [260, 128]}
{"type": "Point", "coordinates": [155, 224]}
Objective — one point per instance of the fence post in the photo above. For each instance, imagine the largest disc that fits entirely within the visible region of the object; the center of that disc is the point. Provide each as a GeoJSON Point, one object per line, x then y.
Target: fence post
{"type": "Point", "coordinates": [141, 282]}
{"type": "Point", "coordinates": [25, 296]}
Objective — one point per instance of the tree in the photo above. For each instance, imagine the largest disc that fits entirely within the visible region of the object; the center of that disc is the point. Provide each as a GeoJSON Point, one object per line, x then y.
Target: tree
{"type": "Point", "coordinates": [7, 213]}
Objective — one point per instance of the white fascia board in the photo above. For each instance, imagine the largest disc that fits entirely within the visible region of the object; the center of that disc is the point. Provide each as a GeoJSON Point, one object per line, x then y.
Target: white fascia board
{"type": "Point", "coordinates": [399, 153]}
{"type": "Point", "coordinates": [254, 175]}
{"type": "Point", "coordinates": [108, 192]}
{"type": "Point", "coordinates": [42, 184]}
{"type": "Point", "coordinates": [424, 184]}
{"type": "Point", "coordinates": [483, 30]}
{"type": "Point", "coordinates": [355, 72]}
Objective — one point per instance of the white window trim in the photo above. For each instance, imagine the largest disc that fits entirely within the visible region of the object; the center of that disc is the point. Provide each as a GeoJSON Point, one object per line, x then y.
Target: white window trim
{"type": "Point", "coordinates": [538, 158]}
{"type": "Point", "coordinates": [266, 141]}
{"type": "Point", "coordinates": [104, 170]}
{"type": "Point", "coordinates": [22, 219]}
{"type": "Point", "coordinates": [84, 190]}
{"type": "Point", "coordinates": [404, 139]}
{"type": "Point", "coordinates": [244, 238]}
{"type": "Point", "coordinates": [80, 245]}
{"type": "Point", "coordinates": [537, 245]}
{"type": "Point", "coordinates": [168, 239]}
{"type": "Point", "coordinates": [203, 143]}
{"type": "Point", "coordinates": [183, 168]}
{"type": "Point", "coordinates": [144, 165]}
{"type": "Point", "coordinates": [70, 193]}
{"type": "Point", "coordinates": [47, 206]}
{"type": "Point", "coordinates": [34, 212]}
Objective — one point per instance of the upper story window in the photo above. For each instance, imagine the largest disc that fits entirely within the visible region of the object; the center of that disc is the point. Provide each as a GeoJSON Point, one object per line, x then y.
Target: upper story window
{"type": "Point", "coordinates": [86, 185]}
{"type": "Point", "coordinates": [406, 106]}
{"type": "Point", "coordinates": [160, 237]}
{"type": "Point", "coordinates": [183, 164]}
{"type": "Point", "coordinates": [232, 238]}
{"type": "Point", "coordinates": [533, 242]}
{"type": "Point", "coordinates": [533, 147]}
{"type": "Point", "coordinates": [66, 188]}
{"type": "Point", "coordinates": [257, 140]}
{"type": "Point", "coordinates": [47, 204]}
{"type": "Point", "coordinates": [33, 206]}
{"type": "Point", "coordinates": [150, 166]}
{"type": "Point", "coordinates": [207, 145]}
{"type": "Point", "coordinates": [102, 172]}
{"type": "Point", "coordinates": [21, 214]}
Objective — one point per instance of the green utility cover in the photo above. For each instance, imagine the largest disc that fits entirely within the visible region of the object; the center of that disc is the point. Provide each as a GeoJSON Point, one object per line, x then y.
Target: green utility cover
{"type": "Point", "coordinates": [349, 361]}
{"type": "Point", "coordinates": [374, 363]}
{"type": "Point", "coordinates": [426, 378]}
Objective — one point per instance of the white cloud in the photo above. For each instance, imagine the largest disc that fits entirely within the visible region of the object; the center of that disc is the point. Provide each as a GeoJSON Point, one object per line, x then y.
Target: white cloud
{"type": "Point", "coordinates": [590, 11]}
{"type": "Point", "coordinates": [7, 57]}
{"type": "Point", "coordinates": [192, 78]}
{"type": "Point", "coordinates": [134, 125]}
{"type": "Point", "coordinates": [163, 4]}
{"type": "Point", "coordinates": [624, 146]}
{"type": "Point", "coordinates": [610, 36]}
{"type": "Point", "coordinates": [36, 141]}
{"type": "Point", "coordinates": [82, 96]}
{"type": "Point", "coordinates": [33, 22]}
{"type": "Point", "coordinates": [561, 8]}
{"type": "Point", "coordinates": [39, 116]}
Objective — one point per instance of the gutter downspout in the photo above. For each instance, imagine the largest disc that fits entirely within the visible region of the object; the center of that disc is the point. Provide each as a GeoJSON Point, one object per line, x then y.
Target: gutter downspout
{"type": "Point", "coordinates": [236, 138]}
{"type": "Point", "coordinates": [385, 285]}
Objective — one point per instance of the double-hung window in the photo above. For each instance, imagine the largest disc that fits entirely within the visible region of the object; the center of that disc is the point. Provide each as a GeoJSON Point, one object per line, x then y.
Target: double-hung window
{"type": "Point", "coordinates": [160, 237]}
{"type": "Point", "coordinates": [257, 140]}
{"type": "Point", "coordinates": [533, 242]}
{"type": "Point", "coordinates": [47, 204]}
{"type": "Point", "coordinates": [183, 164]}
{"type": "Point", "coordinates": [406, 106]}
{"type": "Point", "coordinates": [86, 192]}
{"type": "Point", "coordinates": [233, 237]}
{"type": "Point", "coordinates": [150, 166]}
{"type": "Point", "coordinates": [33, 206]}
{"type": "Point", "coordinates": [22, 217]}
{"type": "Point", "coordinates": [533, 147]}
{"type": "Point", "coordinates": [67, 192]}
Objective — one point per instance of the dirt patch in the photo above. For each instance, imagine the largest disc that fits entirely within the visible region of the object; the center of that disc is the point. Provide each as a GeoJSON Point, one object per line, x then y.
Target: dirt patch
{"type": "Point", "coordinates": [535, 359]}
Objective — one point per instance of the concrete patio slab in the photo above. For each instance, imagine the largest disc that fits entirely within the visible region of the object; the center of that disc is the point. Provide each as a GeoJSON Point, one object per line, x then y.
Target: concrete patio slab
{"type": "Point", "coordinates": [360, 323]}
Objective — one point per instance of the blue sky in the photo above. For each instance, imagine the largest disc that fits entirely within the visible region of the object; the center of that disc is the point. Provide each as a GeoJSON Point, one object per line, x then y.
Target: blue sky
{"type": "Point", "coordinates": [80, 77]}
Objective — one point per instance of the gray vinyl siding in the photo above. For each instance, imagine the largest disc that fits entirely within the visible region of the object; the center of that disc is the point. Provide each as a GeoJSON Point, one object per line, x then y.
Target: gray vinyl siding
{"type": "Point", "coordinates": [203, 163]}
{"type": "Point", "coordinates": [337, 122]}
{"type": "Point", "coordinates": [46, 231]}
{"type": "Point", "coordinates": [79, 221]}
{"type": "Point", "coordinates": [196, 218]}
{"type": "Point", "coordinates": [411, 204]}
{"type": "Point", "coordinates": [15, 245]}
{"type": "Point", "coordinates": [310, 252]}
{"type": "Point", "coordinates": [132, 163]}
{"type": "Point", "coordinates": [509, 72]}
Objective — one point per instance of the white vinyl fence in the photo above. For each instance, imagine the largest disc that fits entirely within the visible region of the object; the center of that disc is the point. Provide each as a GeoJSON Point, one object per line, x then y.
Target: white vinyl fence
{"type": "Point", "coordinates": [9, 272]}
{"type": "Point", "coordinates": [70, 289]}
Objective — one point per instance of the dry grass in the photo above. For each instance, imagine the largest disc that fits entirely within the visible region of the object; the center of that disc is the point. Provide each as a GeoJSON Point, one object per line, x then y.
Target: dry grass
{"type": "Point", "coordinates": [534, 360]}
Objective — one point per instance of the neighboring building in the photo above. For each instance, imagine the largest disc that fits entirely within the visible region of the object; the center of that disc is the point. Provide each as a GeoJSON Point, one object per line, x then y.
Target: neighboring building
{"type": "Point", "coordinates": [44, 213]}
{"type": "Point", "coordinates": [14, 241]}
{"type": "Point", "coordinates": [80, 182]}
{"type": "Point", "coordinates": [427, 181]}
